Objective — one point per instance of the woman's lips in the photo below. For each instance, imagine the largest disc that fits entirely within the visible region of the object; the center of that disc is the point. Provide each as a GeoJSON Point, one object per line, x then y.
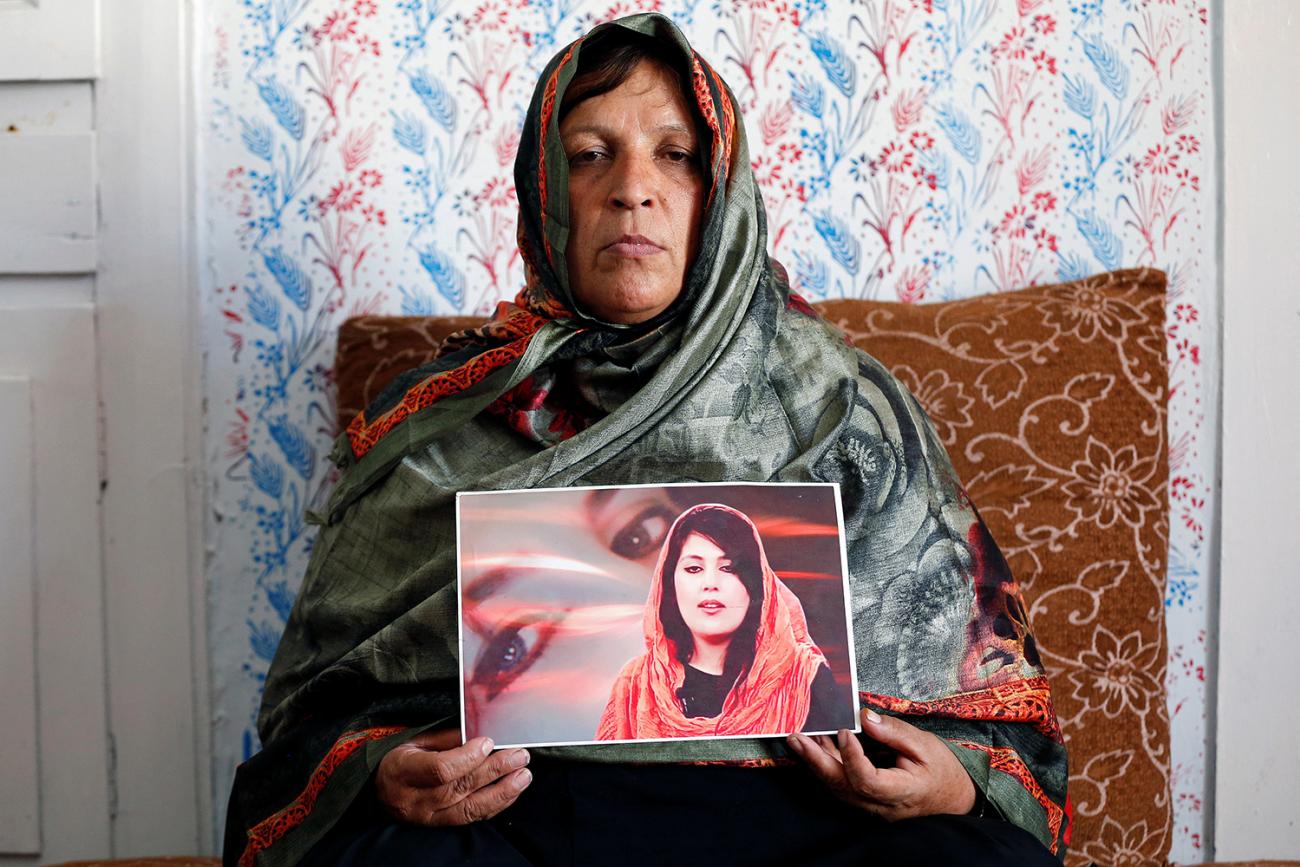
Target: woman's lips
{"type": "Point", "coordinates": [711, 606]}
{"type": "Point", "coordinates": [633, 247]}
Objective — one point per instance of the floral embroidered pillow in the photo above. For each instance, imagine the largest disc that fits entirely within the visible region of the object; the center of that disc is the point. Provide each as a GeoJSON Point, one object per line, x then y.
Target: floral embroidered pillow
{"type": "Point", "coordinates": [1051, 401]}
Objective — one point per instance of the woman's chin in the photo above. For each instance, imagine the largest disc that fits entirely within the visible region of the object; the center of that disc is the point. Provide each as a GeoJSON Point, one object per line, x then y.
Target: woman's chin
{"type": "Point", "coordinates": [630, 311]}
{"type": "Point", "coordinates": [629, 301]}
{"type": "Point", "coordinates": [711, 634]}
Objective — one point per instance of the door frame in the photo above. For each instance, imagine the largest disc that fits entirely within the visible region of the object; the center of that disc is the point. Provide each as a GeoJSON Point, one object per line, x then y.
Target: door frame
{"type": "Point", "coordinates": [150, 367]}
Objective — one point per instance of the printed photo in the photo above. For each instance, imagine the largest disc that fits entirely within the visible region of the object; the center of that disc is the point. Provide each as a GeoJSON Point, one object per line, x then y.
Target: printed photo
{"type": "Point", "coordinates": [653, 612]}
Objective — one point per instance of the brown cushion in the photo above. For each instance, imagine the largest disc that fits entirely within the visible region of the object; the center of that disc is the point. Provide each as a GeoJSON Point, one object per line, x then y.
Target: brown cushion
{"type": "Point", "coordinates": [1051, 401]}
{"type": "Point", "coordinates": [374, 349]}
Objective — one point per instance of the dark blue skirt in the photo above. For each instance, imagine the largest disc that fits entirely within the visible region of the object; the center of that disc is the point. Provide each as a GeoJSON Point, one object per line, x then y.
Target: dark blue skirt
{"type": "Point", "coordinates": [594, 814]}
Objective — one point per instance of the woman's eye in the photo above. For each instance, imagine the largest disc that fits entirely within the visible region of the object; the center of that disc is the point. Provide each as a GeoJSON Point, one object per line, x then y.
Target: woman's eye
{"type": "Point", "coordinates": [586, 157]}
{"type": "Point", "coordinates": [726, 567]}
{"type": "Point", "coordinates": [680, 156]}
{"type": "Point", "coordinates": [643, 535]}
{"type": "Point", "coordinates": [510, 652]}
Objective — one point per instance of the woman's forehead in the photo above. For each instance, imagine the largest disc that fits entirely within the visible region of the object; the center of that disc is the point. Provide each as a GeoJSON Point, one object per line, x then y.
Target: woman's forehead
{"type": "Point", "coordinates": [651, 91]}
{"type": "Point", "coordinates": [698, 545]}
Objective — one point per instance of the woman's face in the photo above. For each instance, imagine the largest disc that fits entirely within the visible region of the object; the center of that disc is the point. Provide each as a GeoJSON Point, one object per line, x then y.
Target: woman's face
{"type": "Point", "coordinates": [710, 595]}
{"type": "Point", "coordinates": [636, 193]}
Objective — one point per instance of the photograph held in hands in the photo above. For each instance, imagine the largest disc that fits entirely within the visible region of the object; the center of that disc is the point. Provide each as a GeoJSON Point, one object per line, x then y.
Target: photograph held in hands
{"type": "Point", "coordinates": [653, 612]}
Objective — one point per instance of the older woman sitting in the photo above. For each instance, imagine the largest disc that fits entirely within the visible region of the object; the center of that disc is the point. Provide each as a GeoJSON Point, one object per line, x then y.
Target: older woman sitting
{"type": "Point", "coordinates": [655, 341]}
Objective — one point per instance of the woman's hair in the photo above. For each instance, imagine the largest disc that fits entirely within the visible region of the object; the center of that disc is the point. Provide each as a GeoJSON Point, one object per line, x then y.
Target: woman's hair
{"type": "Point", "coordinates": [606, 60]}
{"type": "Point", "coordinates": [735, 536]}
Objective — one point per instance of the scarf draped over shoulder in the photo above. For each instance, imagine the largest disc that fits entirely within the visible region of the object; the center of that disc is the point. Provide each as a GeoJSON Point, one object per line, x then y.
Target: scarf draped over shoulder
{"type": "Point", "coordinates": [737, 381]}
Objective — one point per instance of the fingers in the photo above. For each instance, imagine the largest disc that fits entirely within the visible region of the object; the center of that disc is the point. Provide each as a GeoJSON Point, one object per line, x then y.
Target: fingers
{"type": "Point", "coordinates": [497, 766]}
{"type": "Point", "coordinates": [887, 792]}
{"type": "Point", "coordinates": [423, 785]}
{"type": "Point", "coordinates": [442, 739]}
{"type": "Point", "coordinates": [434, 798]}
{"type": "Point", "coordinates": [902, 737]}
{"type": "Point", "coordinates": [828, 746]}
{"type": "Point", "coordinates": [483, 803]}
{"type": "Point", "coordinates": [425, 768]}
{"type": "Point", "coordinates": [921, 782]}
{"type": "Point", "coordinates": [862, 775]}
{"type": "Point", "coordinates": [819, 759]}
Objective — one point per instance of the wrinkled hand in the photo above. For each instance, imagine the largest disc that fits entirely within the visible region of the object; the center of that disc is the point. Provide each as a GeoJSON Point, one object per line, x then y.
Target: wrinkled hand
{"type": "Point", "coordinates": [433, 780]}
{"type": "Point", "coordinates": [927, 778]}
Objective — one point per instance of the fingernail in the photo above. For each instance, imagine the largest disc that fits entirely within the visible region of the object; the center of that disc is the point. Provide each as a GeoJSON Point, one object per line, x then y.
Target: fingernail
{"type": "Point", "coordinates": [523, 778]}
{"type": "Point", "coordinates": [873, 717]}
{"type": "Point", "coordinates": [842, 738]}
{"type": "Point", "coordinates": [486, 746]}
{"type": "Point", "coordinates": [796, 743]}
{"type": "Point", "coordinates": [518, 758]}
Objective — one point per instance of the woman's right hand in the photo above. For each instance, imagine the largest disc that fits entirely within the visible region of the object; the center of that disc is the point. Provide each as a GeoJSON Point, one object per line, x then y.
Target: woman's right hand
{"type": "Point", "coordinates": [433, 780]}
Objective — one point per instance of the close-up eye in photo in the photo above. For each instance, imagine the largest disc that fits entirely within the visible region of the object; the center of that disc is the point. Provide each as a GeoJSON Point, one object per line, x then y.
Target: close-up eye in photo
{"type": "Point", "coordinates": [648, 432]}
{"type": "Point", "coordinates": [509, 650]}
{"type": "Point", "coordinates": [549, 582]}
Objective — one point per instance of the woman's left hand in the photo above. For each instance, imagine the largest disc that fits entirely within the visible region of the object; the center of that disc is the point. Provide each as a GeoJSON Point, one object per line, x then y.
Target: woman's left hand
{"type": "Point", "coordinates": [926, 778]}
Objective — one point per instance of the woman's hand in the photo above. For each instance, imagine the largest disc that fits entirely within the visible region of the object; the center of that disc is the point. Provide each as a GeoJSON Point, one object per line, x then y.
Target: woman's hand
{"type": "Point", "coordinates": [927, 778]}
{"type": "Point", "coordinates": [432, 780]}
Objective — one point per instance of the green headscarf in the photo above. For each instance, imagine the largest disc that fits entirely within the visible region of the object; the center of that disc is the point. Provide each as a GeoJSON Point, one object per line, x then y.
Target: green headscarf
{"type": "Point", "coordinates": [739, 382]}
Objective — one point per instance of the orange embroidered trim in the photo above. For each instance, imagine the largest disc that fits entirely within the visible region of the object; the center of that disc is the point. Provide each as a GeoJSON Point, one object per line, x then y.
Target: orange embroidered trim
{"type": "Point", "coordinates": [1018, 701]}
{"type": "Point", "coordinates": [548, 109]}
{"type": "Point", "coordinates": [704, 99]}
{"type": "Point", "coordinates": [728, 117]}
{"type": "Point", "coordinates": [765, 762]}
{"type": "Point", "coordinates": [1007, 761]}
{"type": "Point", "coordinates": [520, 325]}
{"type": "Point", "coordinates": [267, 832]}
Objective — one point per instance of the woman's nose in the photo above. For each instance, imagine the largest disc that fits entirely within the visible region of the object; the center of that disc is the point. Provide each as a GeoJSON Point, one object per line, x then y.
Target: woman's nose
{"type": "Point", "coordinates": [710, 581]}
{"type": "Point", "coordinates": [632, 185]}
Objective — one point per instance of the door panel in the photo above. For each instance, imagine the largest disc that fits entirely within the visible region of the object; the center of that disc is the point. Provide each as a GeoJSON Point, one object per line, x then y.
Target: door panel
{"type": "Point", "coordinates": [20, 784]}
{"type": "Point", "coordinates": [49, 352]}
{"type": "Point", "coordinates": [48, 39]}
{"type": "Point", "coordinates": [47, 215]}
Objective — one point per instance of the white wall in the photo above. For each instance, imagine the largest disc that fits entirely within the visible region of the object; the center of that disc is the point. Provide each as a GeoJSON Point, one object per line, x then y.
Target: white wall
{"type": "Point", "coordinates": [1258, 761]}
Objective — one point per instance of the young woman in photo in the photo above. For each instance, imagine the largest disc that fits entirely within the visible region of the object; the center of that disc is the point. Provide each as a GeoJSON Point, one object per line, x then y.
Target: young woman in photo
{"type": "Point", "coordinates": [728, 650]}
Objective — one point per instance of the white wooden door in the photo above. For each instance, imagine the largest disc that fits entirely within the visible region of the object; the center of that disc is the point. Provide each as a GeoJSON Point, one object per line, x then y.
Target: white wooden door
{"type": "Point", "coordinates": [55, 758]}
{"type": "Point", "coordinates": [102, 664]}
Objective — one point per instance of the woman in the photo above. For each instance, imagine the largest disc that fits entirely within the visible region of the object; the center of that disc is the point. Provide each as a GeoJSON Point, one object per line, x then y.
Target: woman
{"type": "Point", "coordinates": [629, 358]}
{"type": "Point", "coordinates": [728, 647]}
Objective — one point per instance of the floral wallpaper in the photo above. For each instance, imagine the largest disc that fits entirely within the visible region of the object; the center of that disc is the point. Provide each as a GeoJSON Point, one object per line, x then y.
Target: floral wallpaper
{"type": "Point", "coordinates": [356, 157]}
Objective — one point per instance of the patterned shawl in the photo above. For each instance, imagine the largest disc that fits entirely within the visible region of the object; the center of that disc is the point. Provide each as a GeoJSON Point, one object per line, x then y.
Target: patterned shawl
{"type": "Point", "coordinates": [739, 381]}
{"type": "Point", "coordinates": [772, 696]}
